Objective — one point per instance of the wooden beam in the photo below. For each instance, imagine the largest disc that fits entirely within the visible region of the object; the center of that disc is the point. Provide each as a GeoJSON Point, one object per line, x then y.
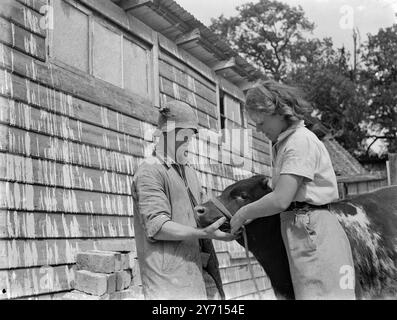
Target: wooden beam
{"type": "Point", "coordinates": [231, 89]}
{"type": "Point", "coordinates": [27, 18]}
{"type": "Point", "coordinates": [32, 198]}
{"type": "Point", "coordinates": [193, 35]}
{"type": "Point", "coordinates": [226, 64]}
{"type": "Point", "coordinates": [175, 67]}
{"type": "Point", "coordinates": [60, 226]}
{"type": "Point", "coordinates": [392, 168]}
{"type": "Point", "coordinates": [118, 16]}
{"type": "Point", "coordinates": [37, 5]}
{"type": "Point", "coordinates": [82, 86]}
{"type": "Point", "coordinates": [171, 48]}
{"type": "Point", "coordinates": [246, 85]}
{"type": "Point", "coordinates": [38, 146]}
{"type": "Point", "coordinates": [77, 131]}
{"type": "Point", "coordinates": [156, 69]}
{"type": "Point", "coordinates": [129, 5]}
{"type": "Point", "coordinates": [47, 173]}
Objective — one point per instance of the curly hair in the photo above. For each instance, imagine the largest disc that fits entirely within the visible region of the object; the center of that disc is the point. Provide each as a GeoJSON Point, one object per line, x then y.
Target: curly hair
{"type": "Point", "coordinates": [272, 97]}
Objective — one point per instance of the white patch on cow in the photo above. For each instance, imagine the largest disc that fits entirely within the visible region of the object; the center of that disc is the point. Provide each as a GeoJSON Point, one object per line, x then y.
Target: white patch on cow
{"type": "Point", "coordinates": [359, 227]}
{"type": "Point", "coordinates": [369, 253]}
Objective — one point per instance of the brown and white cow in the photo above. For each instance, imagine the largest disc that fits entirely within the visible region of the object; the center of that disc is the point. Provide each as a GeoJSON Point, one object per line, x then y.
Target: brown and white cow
{"type": "Point", "coordinates": [370, 222]}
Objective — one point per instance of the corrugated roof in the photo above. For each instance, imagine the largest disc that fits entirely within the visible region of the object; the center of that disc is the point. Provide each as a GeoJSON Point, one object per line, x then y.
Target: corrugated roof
{"type": "Point", "coordinates": [172, 20]}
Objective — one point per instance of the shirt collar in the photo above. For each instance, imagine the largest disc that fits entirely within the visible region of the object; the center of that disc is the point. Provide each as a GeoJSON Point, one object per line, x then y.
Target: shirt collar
{"type": "Point", "coordinates": [284, 135]}
{"type": "Point", "coordinates": [166, 160]}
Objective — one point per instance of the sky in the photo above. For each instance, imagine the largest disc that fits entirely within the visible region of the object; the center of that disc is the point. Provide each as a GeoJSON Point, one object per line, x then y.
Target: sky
{"type": "Point", "coordinates": [333, 18]}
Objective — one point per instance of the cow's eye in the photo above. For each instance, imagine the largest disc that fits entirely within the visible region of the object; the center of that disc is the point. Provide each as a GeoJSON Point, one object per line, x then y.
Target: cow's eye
{"type": "Point", "coordinates": [244, 196]}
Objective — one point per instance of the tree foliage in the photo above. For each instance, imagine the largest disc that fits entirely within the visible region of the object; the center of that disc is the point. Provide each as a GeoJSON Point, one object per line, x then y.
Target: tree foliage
{"type": "Point", "coordinates": [268, 33]}
{"type": "Point", "coordinates": [338, 99]}
{"type": "Point", "coordinates": [380, 77]}
{"type": "Point", "coordinates": [357, 105]}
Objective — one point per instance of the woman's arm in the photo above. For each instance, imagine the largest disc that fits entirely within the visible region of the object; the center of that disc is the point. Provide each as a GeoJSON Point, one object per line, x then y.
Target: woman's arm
{"type": "Point", "coordinates": [273, 203]}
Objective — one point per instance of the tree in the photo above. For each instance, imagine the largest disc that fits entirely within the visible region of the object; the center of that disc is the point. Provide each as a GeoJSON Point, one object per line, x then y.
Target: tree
{"type": "Point", "coordinates": [267, 33]}
{"type": "Point", "coordinates": [339, 101]}
{"type": "Point", "coordinates": [356, 104]}
{"type": "Point", "coordinates": [380, 77]}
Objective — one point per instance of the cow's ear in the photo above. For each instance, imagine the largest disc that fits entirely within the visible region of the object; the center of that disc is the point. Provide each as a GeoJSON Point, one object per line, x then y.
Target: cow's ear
{"type": "Point", "coordinates": [265, 184]}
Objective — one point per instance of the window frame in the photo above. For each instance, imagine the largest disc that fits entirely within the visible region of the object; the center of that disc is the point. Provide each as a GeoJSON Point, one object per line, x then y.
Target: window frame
{"type": "Point", "coordinates": [106, 25]}
{"type": "Point", "coordinates": [97, 18]}
{"type": "Point", "coordinates": [149, 66]}
{"type": "Point", "coordinates": [223, 119]}
{"type": "Point", "coordinates": [222, 115]}
{"type": "Point", "coordinates": [50, 36]}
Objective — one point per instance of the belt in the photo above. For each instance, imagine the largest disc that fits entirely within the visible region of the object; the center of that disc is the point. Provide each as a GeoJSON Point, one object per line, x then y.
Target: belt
{"type": "Point", "coordinates": [304, 206]}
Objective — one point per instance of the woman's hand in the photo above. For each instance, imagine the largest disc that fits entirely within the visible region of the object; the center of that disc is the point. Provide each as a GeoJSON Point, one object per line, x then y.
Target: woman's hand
{"type": "Point", "coordinates": [238, 220]}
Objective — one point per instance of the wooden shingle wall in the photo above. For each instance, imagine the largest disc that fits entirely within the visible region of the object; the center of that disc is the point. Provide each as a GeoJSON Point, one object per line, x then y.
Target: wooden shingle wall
{"type": "Point", "coordinates": [68, 146]}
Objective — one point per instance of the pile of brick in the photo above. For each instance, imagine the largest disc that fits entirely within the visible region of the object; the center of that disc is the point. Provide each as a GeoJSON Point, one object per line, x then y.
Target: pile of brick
{"type": "Point", "coordinates": [106, 275]}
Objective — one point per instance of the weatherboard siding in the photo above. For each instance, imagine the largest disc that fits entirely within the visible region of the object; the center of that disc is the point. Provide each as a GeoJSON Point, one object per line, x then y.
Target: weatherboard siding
{"type": "Point", "coordinates": [68, 147]}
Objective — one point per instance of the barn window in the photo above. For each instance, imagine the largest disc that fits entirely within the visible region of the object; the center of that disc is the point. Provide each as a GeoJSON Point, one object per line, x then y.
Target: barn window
{"type": "Point", "coordinates": [71, 35]}
{"type": "Point", "coordinates": [232, 117]}
{"type": "Point", "coordinates": [136, 68]}
{"type": "Point", "coordinates": [107, 45]}
{"type": "Point", "coordinates": [231, 112]}
{"type": "Point", "coordinates": [88, 42]}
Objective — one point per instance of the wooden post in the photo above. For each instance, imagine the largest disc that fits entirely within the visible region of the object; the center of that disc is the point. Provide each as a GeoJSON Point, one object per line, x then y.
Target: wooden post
{"type": "Point", "coordinates": [392, 169]}
{"type": "Point", "coordinates": [156, 71]}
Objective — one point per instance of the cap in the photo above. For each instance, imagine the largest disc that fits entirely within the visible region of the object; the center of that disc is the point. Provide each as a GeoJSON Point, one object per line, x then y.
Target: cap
{"type": "Point", "coordinates": [177, 114]}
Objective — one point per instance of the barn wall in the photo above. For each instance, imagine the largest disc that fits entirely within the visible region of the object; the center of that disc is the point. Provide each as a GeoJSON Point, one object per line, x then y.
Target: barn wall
{"type": "Point", "coordinates": [68, 146]}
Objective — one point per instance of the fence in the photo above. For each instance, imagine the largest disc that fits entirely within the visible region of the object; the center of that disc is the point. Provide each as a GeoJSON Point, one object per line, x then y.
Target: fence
{"type": "Point", "coordinates": [391, 168]}
{"type": "Point", "coordinates": [350, 186]}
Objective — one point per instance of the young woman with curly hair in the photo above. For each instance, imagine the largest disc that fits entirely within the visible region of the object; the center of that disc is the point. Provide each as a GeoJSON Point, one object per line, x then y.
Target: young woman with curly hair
{"type": "Point", "coordinates": [304, 183]}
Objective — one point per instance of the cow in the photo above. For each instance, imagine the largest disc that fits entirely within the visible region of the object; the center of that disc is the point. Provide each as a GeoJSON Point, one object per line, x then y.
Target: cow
{"type": "Point", "coordinates": [369, 220]}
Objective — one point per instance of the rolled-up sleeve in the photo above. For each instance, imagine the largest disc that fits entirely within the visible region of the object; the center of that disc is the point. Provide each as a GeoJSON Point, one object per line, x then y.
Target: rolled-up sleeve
{"type": "Point", "coordinates": [154, 208]}
{"type": "Point", "coordinates": [300, 158]}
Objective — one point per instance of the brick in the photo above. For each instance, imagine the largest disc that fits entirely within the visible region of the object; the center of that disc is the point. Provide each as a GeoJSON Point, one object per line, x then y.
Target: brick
{"type": "Point", "coordinates": [123, 279]}
{"type": "Point", "coordinates": [133, 261]}
{"type": "Point", "coordinates": [124, 261]}
{"type": "Point", "coordinates": [137, 292]}
{"type": "Point", "coordinates": [127, 261]}
{"type": "Point", "coordinates": [136, 274]}
{"type": "Point", "coordinates": [96, 284]}
{"type": "Point", "coordinates": [133, 293]}
{"type": "Point", "coordinates": [78, 295]}
{"type": "Point", "coordinates": [98, 261]}
{"type": "Point", "coordinates": [116, 245]}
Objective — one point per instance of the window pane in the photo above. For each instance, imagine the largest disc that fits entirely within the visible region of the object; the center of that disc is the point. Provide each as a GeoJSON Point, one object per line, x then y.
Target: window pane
{"type": "Point", "coordinates": [232, 109]}
{"type": "Point", "coordinates": [107, 55]}
{"type": "Point", "coordinates": [135, 68]}
{"type": "Point", "coordinates": [70, 43]}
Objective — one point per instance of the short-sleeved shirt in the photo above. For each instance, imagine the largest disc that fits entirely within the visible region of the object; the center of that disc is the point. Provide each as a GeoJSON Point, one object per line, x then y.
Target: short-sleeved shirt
{"type": "Point", "coordinates": [298, 151]}
{"type": "Point", "coordinates": [170, 270]}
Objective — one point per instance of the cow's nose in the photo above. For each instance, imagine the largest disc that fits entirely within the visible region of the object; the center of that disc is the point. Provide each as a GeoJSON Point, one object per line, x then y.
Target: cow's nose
{"type": "Point", "coordinates": [200, 210]}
